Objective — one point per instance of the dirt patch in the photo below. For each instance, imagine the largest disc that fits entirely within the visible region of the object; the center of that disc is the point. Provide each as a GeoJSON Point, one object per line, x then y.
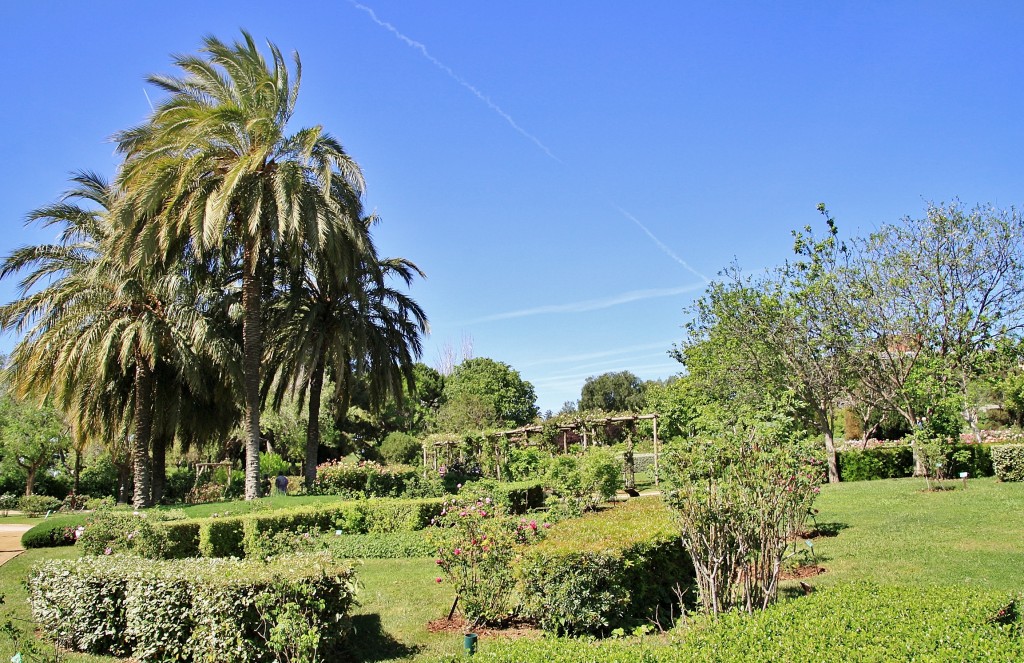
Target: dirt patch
{"type": "Point", "coordinates": [801, 572]}
{"type": "Point", "coordinates": [10, 541]}
{"type": "Point", "coordinates": [459, 625]}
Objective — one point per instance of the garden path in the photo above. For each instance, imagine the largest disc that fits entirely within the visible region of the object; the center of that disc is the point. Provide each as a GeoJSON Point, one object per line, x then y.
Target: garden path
{"type": "Point", "coordinates": [10, 541]}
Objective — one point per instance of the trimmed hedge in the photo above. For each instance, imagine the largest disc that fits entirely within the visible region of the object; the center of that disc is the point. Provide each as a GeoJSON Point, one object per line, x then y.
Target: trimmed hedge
{"type": "Point", "coordinates": [1008, 462]}
{"type": "Point", "coordinates": [898, 461]}
{"type": "Point", "coordinates": [236, 536]}
{"type": "Point", "coordinates": [293, 608]}
{"type": "Point", "coordinates": [848, 622]}
{"type": "Point", "coordinates": [54, 531]}
{"type": "Point", "coordinates": [394, 545]}
{"type": "Point", "coordinates": [605, 570]}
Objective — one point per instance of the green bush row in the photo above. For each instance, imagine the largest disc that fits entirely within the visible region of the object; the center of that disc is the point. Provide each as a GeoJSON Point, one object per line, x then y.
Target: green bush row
{"type": "Point", "coordinates": [898, 461]}
{"type": "Point", "coordinates": [850, 622]}
{"type": "Point", "coordinates": [606, 570]}
{"type": "Point", "coordinates": [1008, 462]}
{"type": "Point", "coordinates": [515, 498]}
{"type": "Point", "coordinates": [236, 536]}
{"type": "Point", "coordinates": [293, 608]}
{"type": "Point", "coordinates": [363, 479]}
{"type": "Point", "coordinates": [393, 545]}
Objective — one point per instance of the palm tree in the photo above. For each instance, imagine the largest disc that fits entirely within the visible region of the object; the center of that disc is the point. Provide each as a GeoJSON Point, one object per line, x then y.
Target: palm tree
{"type": "Point", "coordinates": [350, 324]}
{"type": "Point", "coordinates": [215, 168]}
{"type": "Point", "coordinates": [94, 335]}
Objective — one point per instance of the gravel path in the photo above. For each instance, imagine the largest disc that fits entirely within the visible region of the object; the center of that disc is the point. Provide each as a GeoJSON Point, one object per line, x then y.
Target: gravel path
{"type": "Point", "coordinates": [10, 541]}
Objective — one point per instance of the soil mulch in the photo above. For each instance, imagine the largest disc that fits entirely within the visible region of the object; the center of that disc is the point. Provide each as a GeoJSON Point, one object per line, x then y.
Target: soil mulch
{"type": "Point", "coordinates": [459, 625]}
{"type": "Point", "coordinates": [802, 572]}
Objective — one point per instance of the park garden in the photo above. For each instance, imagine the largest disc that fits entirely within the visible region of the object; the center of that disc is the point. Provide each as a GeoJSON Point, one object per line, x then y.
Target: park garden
{"type": "Point", "coordinates": [223, 448]}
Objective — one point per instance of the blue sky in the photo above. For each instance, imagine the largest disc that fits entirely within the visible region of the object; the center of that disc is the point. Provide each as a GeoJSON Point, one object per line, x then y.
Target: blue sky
{"type": "Point", "coordinates": [567, 173]}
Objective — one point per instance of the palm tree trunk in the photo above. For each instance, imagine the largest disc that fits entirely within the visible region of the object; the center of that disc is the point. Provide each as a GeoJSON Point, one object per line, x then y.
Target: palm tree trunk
{"type": "Point", "coordinates": [159, 467]}
{"type": "Point", "coordinates": [143, 430]}
{"type": "Point", "coordinates": [316, 386]}
{"type": "Point", "coordinates": [252, 352]}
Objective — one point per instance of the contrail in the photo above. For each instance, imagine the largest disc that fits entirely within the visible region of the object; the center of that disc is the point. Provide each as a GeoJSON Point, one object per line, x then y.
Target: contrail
{"type": "Point", "coordinates": [661, 244]}
{"type": "Point", "coordinates": [589, 305]}
{"type": "Point", "coordinates": [508, 118]}
{"type": "Point", "coordinates": [455, 77]}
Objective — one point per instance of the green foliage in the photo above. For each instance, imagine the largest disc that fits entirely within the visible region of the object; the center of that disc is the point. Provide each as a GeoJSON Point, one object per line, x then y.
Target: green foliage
{"type": "Point", "coordinates": [292, 608]}
{"type": "Point", "coordinates": [483, 393]}
{"type": "Point", "coordinates": [179, 483]}
{"type": "Point", "coordinates": [272, 464]}
{"type": "Point", "coordinates": [8, 502]}
{"type": "Point", "coordinates": [37, 505]}
{"type": "Point", "coordinates": [1008, 462]}
{"type": "Point", "coordinates": [613, 392]}
{"type": "Point", "coordinates": [587, 480]}
{"type": "Point", "coordinates": [739, 498]}
{"type": "Point", "coordinates": [31, 437]}
{"type": "Point", "coordinates": [363, 479]}
{"type": "Point", "coordinates": [512, 498]}
{"type": "Point", "coordinates": [99, 477]}
{"type": "Point", "coordinates": [877, 463]}
{"type": "Point", "coordinates": [54, 531]}
{"type": "Point", "coordinates": [390, 545]}
{"type": "Point", "coordinates": [609, 569]}
{"type": "Point", "coordinates": [849, 622]}
{"type": "Point", "coordinates": [524, 463]}
{"type": "Point", "coordinates": [114, 532]}
{"type": "Point", "coordinates": [476, 547]}
{"type": "Point", "coordinates": [401, 449]}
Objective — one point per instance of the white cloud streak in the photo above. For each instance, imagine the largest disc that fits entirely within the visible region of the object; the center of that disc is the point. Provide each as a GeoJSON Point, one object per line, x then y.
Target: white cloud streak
{"type": "Point", "coordinates": [589, 305]}
{"type": "Point", "coordinates": [422, 49]}
{"type": "Point", "coordinates": [412, 43]}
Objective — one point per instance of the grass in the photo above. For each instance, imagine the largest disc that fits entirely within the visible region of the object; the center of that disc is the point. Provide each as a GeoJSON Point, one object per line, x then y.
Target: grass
{"type": "Point", "coordinates": [891, 532]}
{"type": "Point", "coordinates": [894, 532]}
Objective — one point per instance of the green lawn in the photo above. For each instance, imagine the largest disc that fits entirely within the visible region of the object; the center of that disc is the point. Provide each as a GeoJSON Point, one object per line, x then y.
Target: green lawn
{"type": "Point", "coordinates": [892, 532]}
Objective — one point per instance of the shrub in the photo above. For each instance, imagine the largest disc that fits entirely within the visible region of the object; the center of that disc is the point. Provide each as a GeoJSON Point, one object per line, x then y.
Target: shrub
{"type": "Point", "coordinates": [112, 532]}
{"type": "Point", "coordinates": [362, 479]}
{"type": "Point", "coordinates": [272, 464]}
{"type": "Point", "coordinates": [1008, 462]}
{"type": "Point", "coordinates": [8, 503]}
{"type": "Point", "coordinates": [848, 622]}
{"type": "Point", "coordinates": [739, 498]}
{"type": "Point", "coordinates": [293, 609]}
{"type": "Point", "coordinates": [476, 546]}
{"type": "Point", "coordinates": [179, 483]}
{"type": "Point", "coordinates": [393, 545]}
{"type": "Point", "coordinates": [54, 531]}
{"type": "Point", "coordinates": [99, 477]}
{"type": "Point", "coordinates": [401, 449]}
{"type": "Point", "coordinates": [100, 503]}
{"type": "Point", "coordinates": [37, 505]}
{"type": "Point", "coordinates": [608, 569]}
{"type": "Point", "coordinates": [589, 480]}
{"type": "Point", "coordinates": [239, 536]}
{"type": "Point", "coordinates": [512, 498]}
{"type": "Point", "coordinates": [74, 502]}
{"type": "Point", "coordinates": [877, 463]}
{"type": "Point", "coordinates": [525, 463]}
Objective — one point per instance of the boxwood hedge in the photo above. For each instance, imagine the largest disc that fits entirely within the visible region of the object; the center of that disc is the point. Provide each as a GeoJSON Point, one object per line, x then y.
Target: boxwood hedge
{"type": "Point", "coordinates": [862, 621]}
{"type": "Point", "coordinates": [1008, 462]}
{"type": "Point", "coordinates": [292, 608]}
{"type": "Point", "coordinates": [894, 462]}
{"type": "Point", "coordinates": [606, 570]}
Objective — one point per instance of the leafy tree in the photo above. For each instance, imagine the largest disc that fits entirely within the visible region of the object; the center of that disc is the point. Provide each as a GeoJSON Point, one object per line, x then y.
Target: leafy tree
{"type": "Point", "coordinates": [613, 392]}
{"type": "Point", "coordinates": [32, 437]}
{"type": "Point", "coordinates": [486, 393]}
{"type": "Point", "coordinates": [215, 168]}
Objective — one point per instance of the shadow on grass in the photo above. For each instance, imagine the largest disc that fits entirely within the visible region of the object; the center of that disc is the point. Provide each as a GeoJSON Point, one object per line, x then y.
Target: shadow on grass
{"type": "Point", "coordinates": [370, 642]}
{"type": "Point", "coordinates": [824, 529]}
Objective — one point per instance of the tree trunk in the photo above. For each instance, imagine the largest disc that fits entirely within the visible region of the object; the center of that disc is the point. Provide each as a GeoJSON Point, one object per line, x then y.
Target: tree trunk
{"type": "Point", "coordinates": [159, 467]}
{"type": "Point", "coordinates": [143, 430]}
{"type": "Point", "coordinates": [252, 350]}
{"type": "Point", "coordinates": [316, 385]}
{"type": "Point", "coordinates": [833, 462]}
{"type": "Point", "coordinates": [77, 471]}
{"type": "Point", "coordinates": [124, 482]}
{"type": "Point", "coordinates": [30, 480]}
